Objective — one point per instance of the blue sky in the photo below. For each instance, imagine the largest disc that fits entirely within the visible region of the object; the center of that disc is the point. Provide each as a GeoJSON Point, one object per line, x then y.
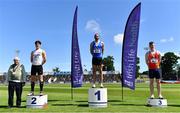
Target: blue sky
{"type": "Point", "coordinates": [24, 21]}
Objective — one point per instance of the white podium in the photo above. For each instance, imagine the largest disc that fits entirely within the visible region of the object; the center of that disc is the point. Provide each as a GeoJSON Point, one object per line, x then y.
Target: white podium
{"type": "Point", "coordinates": [97, 97]}
{"type": "Point", "coordinates": [37, 101]}
{"type": "Point", "coordinates": [157, 102]}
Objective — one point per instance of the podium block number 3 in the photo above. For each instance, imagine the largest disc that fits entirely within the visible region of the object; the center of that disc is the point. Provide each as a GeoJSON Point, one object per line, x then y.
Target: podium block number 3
{"type": "Point", "coordinates": [33, 100]}
{"type": "Point", "coordinates": [160, 102]}
{"type": "Point", "coordinates": [98, 95]}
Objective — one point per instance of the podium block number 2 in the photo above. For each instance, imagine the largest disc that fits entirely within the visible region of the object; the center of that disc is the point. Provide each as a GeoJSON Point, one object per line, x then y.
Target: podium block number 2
{"type": "Point", "coordinates": [33, 100]}
{"type": "Point", "coordinates": [98, 95]}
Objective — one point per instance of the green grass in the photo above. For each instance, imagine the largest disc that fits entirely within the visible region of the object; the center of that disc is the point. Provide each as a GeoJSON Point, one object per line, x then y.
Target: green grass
{"type": "Point", "coordinates": [59, 99]}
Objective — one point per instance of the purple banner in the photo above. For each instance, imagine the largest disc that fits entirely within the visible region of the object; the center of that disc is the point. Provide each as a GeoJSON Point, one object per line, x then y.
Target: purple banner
{"type": "Point", "coordinates": [130, 44]}
{"type": "Point", "coordinates": [76, 67]}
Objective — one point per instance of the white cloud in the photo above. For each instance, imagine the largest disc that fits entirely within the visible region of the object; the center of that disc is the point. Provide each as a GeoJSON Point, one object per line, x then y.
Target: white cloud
{"type": "Point", "coordinates": [164, 40]}
{"type": "Point", "coordinates": [162, 54]}
{"type": "Point", "coordinates": [93, 26]}
{"type": "Point", "coordinates": [177, 53]}
{"type": "Point", "coordinates": [171, 39]}
{"type": "Point", "coordinates": [118, 39]}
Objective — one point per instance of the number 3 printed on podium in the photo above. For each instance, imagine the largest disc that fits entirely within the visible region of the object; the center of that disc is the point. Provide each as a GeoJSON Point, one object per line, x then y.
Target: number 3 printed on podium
{"type": "Point", "coordinates": [160, 102]}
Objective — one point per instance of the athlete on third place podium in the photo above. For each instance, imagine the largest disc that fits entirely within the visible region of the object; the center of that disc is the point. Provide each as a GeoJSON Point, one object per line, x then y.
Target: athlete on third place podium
{"type": "Point", "coordinates": [153, 60]}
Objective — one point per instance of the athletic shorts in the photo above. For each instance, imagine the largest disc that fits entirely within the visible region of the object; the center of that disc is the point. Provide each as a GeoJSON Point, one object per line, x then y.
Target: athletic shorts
{"type": "Point", "coordinates": [96, 61]}
{"type": "Point", "coordinates": [36, 70]}
{"type": "Point", "coordinates": [154, 73]}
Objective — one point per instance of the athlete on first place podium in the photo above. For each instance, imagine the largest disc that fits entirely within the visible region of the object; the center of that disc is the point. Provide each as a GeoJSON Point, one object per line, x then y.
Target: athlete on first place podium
{"type": "Point", "coordinates": [97, 50]}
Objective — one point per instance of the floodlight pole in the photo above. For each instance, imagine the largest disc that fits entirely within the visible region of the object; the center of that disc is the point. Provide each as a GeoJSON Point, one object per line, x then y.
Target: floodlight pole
{"type": "Point", "coordinates": [17, 53]}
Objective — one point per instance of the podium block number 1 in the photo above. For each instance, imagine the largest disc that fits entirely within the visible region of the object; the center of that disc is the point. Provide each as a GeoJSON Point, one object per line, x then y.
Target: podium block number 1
{"type": "Point", "coordinates": [33, 100]}
{"type": "Point", "coordinates": [98, 95]}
